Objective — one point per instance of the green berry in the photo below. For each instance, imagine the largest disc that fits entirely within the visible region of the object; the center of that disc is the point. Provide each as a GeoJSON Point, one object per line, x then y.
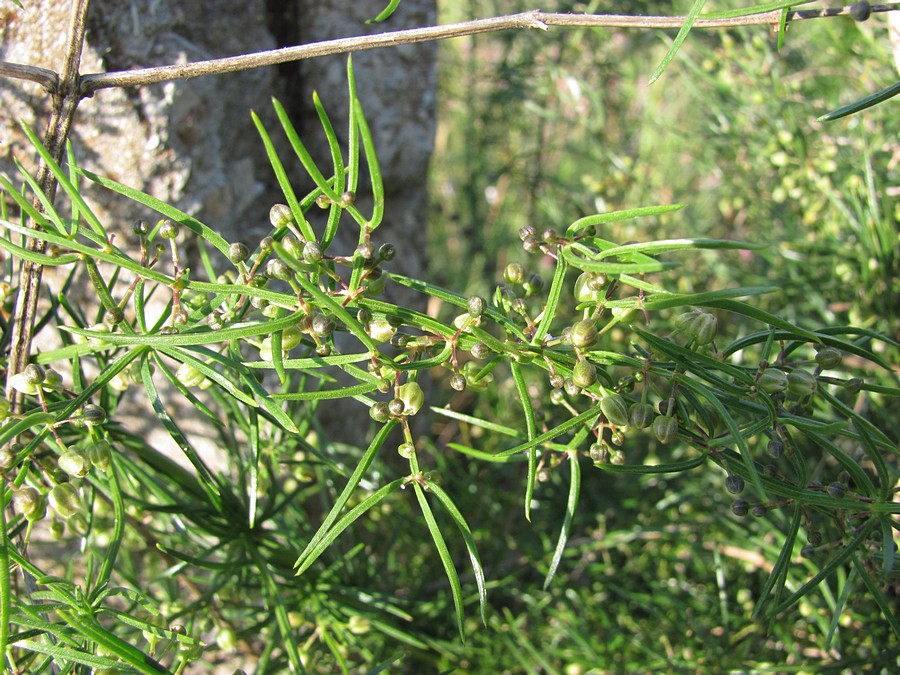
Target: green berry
{"type": "Point", "coordinates": [583, 334]}
{"type": "Point", "coordinates": [584, 291]}
{"type": "Point", "coordinates": [396, 407]}
{"type": "Point", "coordinates": [189, 376]}
{"type": "Point", "coordinates": [775, 448]}
{"type": "Point", "coordinates": [278, 269]}
{"type": "Point", "coordinates": [557, 381]}
{"type": "Point", "coordinates": [30, 503]}
{"type": "Point", "coordinates": [380, 412]}
{"type": "Point", "coordinates": [93, 414]}
{"type": "Point", "coordinates": [406, 450]}
{"type": "Point", "coordinates": [100, 454]}
{"type": "Point", "coordinates": [34, 374]}
{"type": "Point", "coordinates": [480, 350]}
{"type": "Point", "coordinates": [322, 325]}
{"type": "Point", "coordinates": [584, 374]}
{"type": "Point", "coordinates": [615, 409]}
{"type": "Point", "coordinates": [837, 490]}
{"type": "Point", "coordinates": [387, 252]}
{"type": "Point", "coordinates": [599, 453]}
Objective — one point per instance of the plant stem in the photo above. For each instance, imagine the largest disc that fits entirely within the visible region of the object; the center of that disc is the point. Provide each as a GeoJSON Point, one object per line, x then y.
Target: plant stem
{"type": "Point", "coordinates": [65, 101]}
{"type": "Point", "coordinates": [532, 19]}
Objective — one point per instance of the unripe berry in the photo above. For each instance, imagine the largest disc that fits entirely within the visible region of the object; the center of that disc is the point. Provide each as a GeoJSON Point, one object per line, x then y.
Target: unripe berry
{"type": "Point", "coordinates": [34, 374]}
{"type": "Point", "coordinates": [860, 11]}
{"type": "Point", "coordinates": [665, 429]}
{"type": "Point", "coordinates": [697, 326]}
{"type": "Point", "coordinates": [139, 228]}
{"type": "Point", "coordinates": [100, 454]}
{"type": "Point", "coordinates": [406, 450]}
{"type": "Point", "coordinates": [387, 252]}
{"type": "Point", "coordinates": [584, 374]}
{"type": "Point", "coordinates": [740, 507]}
{"type": "Point", "coordinates": [278, 269]}
{"type": "Point", "coordinates": [322, 325]}
{"type": "Point", "coordinates": [583, 334]}
{"type": "Point", "coordinates": [189, 376]}
{"type": "Point", "coordinates": [758, 510]}
{"type": "Point", "coordinates": [527, 231]}
{"type": "Point", "coordinates": [396, 406]}
{"type": "Point", "coordinates": [837, 490]}
{"type": "Point", "coordinates": [615, 409]}
{"type": "Point", "coordinates": [599, 453]}
{"type": "Point", "coordinates": [557, 381]}
{"type": "Point", "coordinates": [775, 448]}
{"type": "Point", "coordinates": [584, 292]}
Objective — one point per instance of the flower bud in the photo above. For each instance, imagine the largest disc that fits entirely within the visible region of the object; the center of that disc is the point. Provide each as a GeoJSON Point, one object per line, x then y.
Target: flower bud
{"type": "Point", "coordinates": [280, 215]}
{"type": "Point", "coordinates": [278, 269]}
{"type": "Point", "coordinates": [312, 252]}
{"type": "Point", "coordinates": [30, 503]}
{"type": "Point", "coordinates": [584, 291]}
{"type": "Point", "coordinates": [828, 358]}
{"type": "Point", "coordinates": [640, 415]}
{"type": "Point", "coordinates": [238, 253]}
{"type": "Point", "coordinates": [615, 409]}
{"type": "Point", "coordinates": [168, 229]}
{"type": "Point", "coordinates": [100, 454]}
{"type": "Point", "coordinates": [476, 306]}
{"type": "Point", "coordinates": [665, 429]}
{"type": "Point", "coordinates": [697, 326]}
{"type": "Point", "coordinates": [514, 274]}
{"type": "Point", "coordinates": [801, 384]}
{"type": "Point", "coordinates": [772, 380]}
{"type": "Point", "coordinates": [379, 412]}
{"type": "Point", "coordinates": [64, 499]}
{"type": "Point", "coordinates": [412, 396]}
{"type": "Point", "coordinates": [74, 463]}
{"type": "Point", "coordinates": [93, 414]}
{"type": "Point", "coordinates": [189, 376]}
{"type": "Point", "coordinates": [380, 330]}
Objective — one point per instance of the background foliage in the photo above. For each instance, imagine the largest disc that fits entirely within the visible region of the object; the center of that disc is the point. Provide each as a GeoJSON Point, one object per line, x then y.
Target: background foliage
{"type": "Point", "coordinates": [658, 572]}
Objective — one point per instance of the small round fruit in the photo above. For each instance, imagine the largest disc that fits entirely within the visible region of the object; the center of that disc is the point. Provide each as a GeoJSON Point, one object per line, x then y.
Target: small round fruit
{"type": "Point", "coordinates": [238, 252]}
{"type": "Point", "coordinates": [801, 384]}
{"type": "Point", "coordinates": [772, 381]}
{"type": "Point", "coordinates": [514, 274]}
{"type": "Point", "coordinates": [476, 306]}
{"type": "Point", "coordinates": [458, 382]}
{"type": "Point", "coordinates": [583, 334]}
{"type": "Point", "coordinates": [640, 415]}
{"type": "Point", "coordinates": [168, 229]}
{"type": "Point", "coordinates": [828, 358]}
{"type": "Point", "coordinates": [740, 507]}
{"type": "Point", "coordinates": [734, 484]}
{"type": "Point", "coordinates": [412, 396]}
{"type": "Point", "coordinates": [280, 215]}
{"type": "Point", "coordinates": [584, 374]}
